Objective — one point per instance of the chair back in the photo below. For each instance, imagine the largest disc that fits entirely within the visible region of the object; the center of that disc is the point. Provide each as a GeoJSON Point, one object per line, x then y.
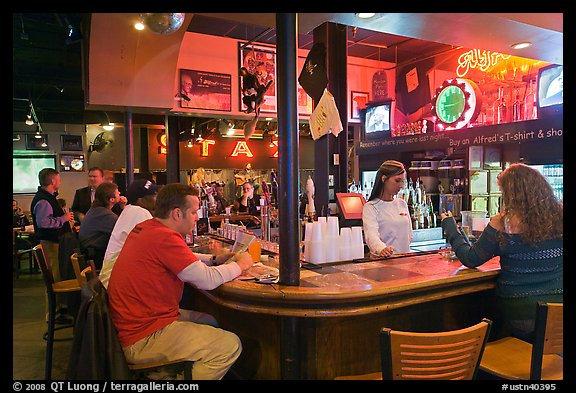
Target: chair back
{"type": "Point", "coordinates": [452, 354]}
{"type": "Point", "coordinates": [45, 267]}
{"type": "Point", "coordinates": [548, 335]}
{"type": "Point", "coordinates": [81, 267]}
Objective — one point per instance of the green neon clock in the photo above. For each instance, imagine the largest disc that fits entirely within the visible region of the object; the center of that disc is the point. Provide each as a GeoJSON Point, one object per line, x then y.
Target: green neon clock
{"type": "Point", "coordinates": [456, 103]}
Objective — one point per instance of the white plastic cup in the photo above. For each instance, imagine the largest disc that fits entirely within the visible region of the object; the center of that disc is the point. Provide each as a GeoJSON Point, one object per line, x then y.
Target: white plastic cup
{"type": "Point", "coordinates": [345, 244]}
{"type": "Point", "coordinates": [332, 226]}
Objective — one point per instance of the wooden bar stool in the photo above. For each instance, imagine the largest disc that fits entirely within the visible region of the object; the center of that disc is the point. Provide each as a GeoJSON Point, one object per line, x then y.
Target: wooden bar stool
{"type": "Point", "coordinates": [52, 289]}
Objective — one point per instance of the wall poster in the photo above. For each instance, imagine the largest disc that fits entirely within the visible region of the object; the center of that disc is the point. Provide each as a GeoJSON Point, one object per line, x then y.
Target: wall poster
{"type": "Point", "coordinates": [205, 90]}
{"type": "Point", "coordinates": [261, 61]}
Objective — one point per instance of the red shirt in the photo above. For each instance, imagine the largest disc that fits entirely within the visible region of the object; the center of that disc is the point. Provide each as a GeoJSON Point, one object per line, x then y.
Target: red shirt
{"type": "Point", "coordinates": [144, 290]}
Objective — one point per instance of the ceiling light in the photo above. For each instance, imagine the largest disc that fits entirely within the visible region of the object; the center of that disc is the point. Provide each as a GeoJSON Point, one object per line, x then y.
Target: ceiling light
{"type": "Point", "coordinates": [365, 15]}
{"type": "Point", "coordinates": [230, 131]}
{"type": "Point", "coordinates": [521, 45]}
{"type": "Point", "coordinates": [189, 143]}
{"type": "Point", "coordinates": [199, 139]}
{"type": "Point", "coordinates": [29, 121]}
{"type": "Point", "coordinates": [44, 144]}
{"type": "Point", "coordinates": [139, 25]}
{"type": "Point", "coordinates": [38, 135]}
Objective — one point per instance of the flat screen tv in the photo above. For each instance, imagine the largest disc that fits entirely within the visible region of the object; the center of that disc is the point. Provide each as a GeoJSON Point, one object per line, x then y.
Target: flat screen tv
{"type": "Point", "coordinates": [377, 118]}
{"type": "Point", "coordinates": [550, 90]}
{"type": "Point", "coordinates": [25, 170]}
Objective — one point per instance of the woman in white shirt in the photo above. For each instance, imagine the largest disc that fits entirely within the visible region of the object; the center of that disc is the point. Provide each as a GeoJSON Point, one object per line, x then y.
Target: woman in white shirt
{"type": "Point", "coordinates": [386, 220]}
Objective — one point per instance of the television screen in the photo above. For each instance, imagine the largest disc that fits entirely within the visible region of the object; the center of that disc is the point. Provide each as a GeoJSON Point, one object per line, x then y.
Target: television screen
{"type": "Point", "coordinates": [550, 86]}
{"type": "Point", "coordinates": [351, 205]}
{"type": "Point", "coordinates": [25, 170]}
{"type": "Point", "coordinates": [377, 119]}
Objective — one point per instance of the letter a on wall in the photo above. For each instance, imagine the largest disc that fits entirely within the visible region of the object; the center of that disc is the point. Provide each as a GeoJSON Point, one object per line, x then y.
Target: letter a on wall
{"type": "Point", "coordinates": [242, 148]}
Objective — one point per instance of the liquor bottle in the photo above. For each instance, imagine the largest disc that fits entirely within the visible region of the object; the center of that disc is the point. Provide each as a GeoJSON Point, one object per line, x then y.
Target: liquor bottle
{"type": "Point", "coordinates": [410, 201]}
{"type": "Point", "coordinates": [530, 107]}
{"type": "Point", "coordinates": [517, 113]}
{"type": "Point", "coordinates": [499, 107]}
{"type": "Point", "coordinates": [418, 193]}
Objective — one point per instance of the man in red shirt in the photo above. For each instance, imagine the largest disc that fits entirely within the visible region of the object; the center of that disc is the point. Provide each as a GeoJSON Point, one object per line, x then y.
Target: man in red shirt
{"type": "Point", "coordinates": [146, 285]}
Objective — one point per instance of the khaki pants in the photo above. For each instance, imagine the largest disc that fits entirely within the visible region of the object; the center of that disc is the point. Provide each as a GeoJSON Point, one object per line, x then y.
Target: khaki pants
{"type": "Point", "coordinates": [213, 350]}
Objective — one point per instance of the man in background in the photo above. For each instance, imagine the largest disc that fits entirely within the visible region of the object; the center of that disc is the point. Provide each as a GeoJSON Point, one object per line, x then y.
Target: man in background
{"type": "Point", "coordinates": [49, 220]}
{"type": "Point", "coordinates": [84, 197]}
{"type": "Point", "coordinates": [99, 222]}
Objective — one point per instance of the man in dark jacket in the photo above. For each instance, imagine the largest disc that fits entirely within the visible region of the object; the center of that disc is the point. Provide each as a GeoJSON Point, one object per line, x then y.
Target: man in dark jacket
{"type": "Point", "coordinates": [49, 220]}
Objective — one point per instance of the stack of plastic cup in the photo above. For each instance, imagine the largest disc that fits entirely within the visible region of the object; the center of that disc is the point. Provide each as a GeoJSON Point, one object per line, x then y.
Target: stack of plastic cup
{"type": "Point", "coordinates": [357, 243]}
{"type": "Point", "coordinates": [309, 227]}
{"type": "Point", "coordinates": [331, 238]}
{"type": "Point", "coordinates": [317, 244]}
{"type": "Point", "coordinates": [345, 242]}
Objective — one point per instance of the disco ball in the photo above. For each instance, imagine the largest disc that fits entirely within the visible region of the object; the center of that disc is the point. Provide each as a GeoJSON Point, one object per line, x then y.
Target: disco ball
{"type": "Point", "coordinates": [161, 23]}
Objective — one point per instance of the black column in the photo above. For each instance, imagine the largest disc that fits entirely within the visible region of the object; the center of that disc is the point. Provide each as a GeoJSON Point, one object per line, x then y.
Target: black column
{"type": "Point", "coordinates": [144, 162]}
{"type": "Point", "coordinates": [334, 37]}
{"type": "Point", "coordinates": [172, 150]}
{"type": "Point", "coordinates": [129, 138]}
{"type": "Point", "coordinates": [288, 164]}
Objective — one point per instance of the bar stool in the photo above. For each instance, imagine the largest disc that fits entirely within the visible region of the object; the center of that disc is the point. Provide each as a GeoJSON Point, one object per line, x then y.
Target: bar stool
{"type": "Point", "coordinates": [52, 289]}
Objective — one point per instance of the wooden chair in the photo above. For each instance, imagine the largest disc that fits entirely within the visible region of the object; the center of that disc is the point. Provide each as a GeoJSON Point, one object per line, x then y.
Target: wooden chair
{"type": "Point", "coordinates": [512, 358]}
{"type": "Point", "coordinates": [79, 265]}
{"type": "Point", "coordinates": [18, 252]}
{"type": "Point", "coordinates": [52, 289]}
{"type": "Point", "coordinates": [449, 355]}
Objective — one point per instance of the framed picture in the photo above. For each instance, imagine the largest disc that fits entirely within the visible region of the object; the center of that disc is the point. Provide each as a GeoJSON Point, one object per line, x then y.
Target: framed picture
{"type": "Point", "coordinates": [358, 101]}
{"type": "Point", "coordinates": [205, 90]}
{"type": "Point", "coordinates": [304, 102]}
{"type": "Point", "coordinates": [72, 163]}
{"type": "Point", "coordinates": [261, 61]}
{"type": "Point", "coordinates": [71, 142]}
{"type": "Point", "coordinates": [33, 143]}
{"type": "Point", "coordinates": [330, 180]}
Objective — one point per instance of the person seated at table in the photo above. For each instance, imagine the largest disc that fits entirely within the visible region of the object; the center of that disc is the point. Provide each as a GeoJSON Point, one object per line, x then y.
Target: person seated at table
{"type": "Point", "coordinates": [98, 223]}
{"type": "Point", "coordinates": [219, 198]}
{"type": "Point", "coordinates": [19, 219]}
{"type": "Point", "coordinates": [146, 286]}
{"type": "Point", "coordinates": [528, 236]}
{"type": "Point", "coordinates": [248, 202]}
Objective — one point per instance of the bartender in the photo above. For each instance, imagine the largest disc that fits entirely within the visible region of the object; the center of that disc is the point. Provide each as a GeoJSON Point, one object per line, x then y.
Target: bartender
{"type": "Point", "coordinates": [386, 219]}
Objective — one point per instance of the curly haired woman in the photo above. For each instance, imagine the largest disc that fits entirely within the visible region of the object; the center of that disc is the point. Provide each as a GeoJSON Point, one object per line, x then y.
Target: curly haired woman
{"type": "Point", "coordinates": [528, 236]}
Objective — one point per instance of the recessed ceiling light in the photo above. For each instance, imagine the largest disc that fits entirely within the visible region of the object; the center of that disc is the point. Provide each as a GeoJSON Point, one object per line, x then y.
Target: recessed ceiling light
{"type": "Point", "coordinates": [365, 15]}
{"type": "Point", "coordinates": [521, 45]}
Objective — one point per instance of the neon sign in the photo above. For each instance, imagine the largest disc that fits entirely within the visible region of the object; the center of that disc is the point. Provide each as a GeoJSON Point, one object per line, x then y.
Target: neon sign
{"type": "Point", "coordinates": [204, 148]}
{"type": "Point", "coordinates": [483, 60]}
{"type": "Point", "coordinates": [240, 148]}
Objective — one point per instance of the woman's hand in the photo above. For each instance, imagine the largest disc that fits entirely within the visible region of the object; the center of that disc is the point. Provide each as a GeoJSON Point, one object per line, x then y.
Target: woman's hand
{"type": "Point", "coordinates": [386, 252]}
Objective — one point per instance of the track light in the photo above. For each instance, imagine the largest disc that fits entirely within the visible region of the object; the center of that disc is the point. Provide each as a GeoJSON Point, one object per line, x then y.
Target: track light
{"type": "Point", "coordinates": [29, 121]}
{"type": "Point", "coordinates": [189, 143]}
{"type": "Point", "coordinates": [44, 144]}
{"type": "Point", "coordinates": [107, 125]}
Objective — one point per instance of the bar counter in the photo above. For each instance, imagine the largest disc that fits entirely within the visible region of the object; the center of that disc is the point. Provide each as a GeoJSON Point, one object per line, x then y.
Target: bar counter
{"type": "Point", "coordinates": [337, 312]}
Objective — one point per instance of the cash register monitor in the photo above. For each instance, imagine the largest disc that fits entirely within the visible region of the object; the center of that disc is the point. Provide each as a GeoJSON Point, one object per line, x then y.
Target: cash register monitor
{"type": "Point", "coordinates": [350, 206]}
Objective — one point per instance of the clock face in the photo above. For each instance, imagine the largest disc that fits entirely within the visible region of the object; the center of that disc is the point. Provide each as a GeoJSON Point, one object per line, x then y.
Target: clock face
{"type": "Point", "coordinates": [450, 104]}
{"type": "Point", "coordinates": [456, 104]}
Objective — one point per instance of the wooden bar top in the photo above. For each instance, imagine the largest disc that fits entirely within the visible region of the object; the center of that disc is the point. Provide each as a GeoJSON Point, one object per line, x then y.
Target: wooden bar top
{"type": "Point", "coordinates": [359, 288]}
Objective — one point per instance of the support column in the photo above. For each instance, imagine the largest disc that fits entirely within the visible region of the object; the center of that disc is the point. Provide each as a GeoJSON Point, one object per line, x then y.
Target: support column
{"type": "Point", "coordinates": [334, 37]}
{"type": "Point", "coordinates": [172, 150]}
{"type": "Point", "coordinates": [288, 164]}
{"type": "Point", "coordinates": [129, 138]}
